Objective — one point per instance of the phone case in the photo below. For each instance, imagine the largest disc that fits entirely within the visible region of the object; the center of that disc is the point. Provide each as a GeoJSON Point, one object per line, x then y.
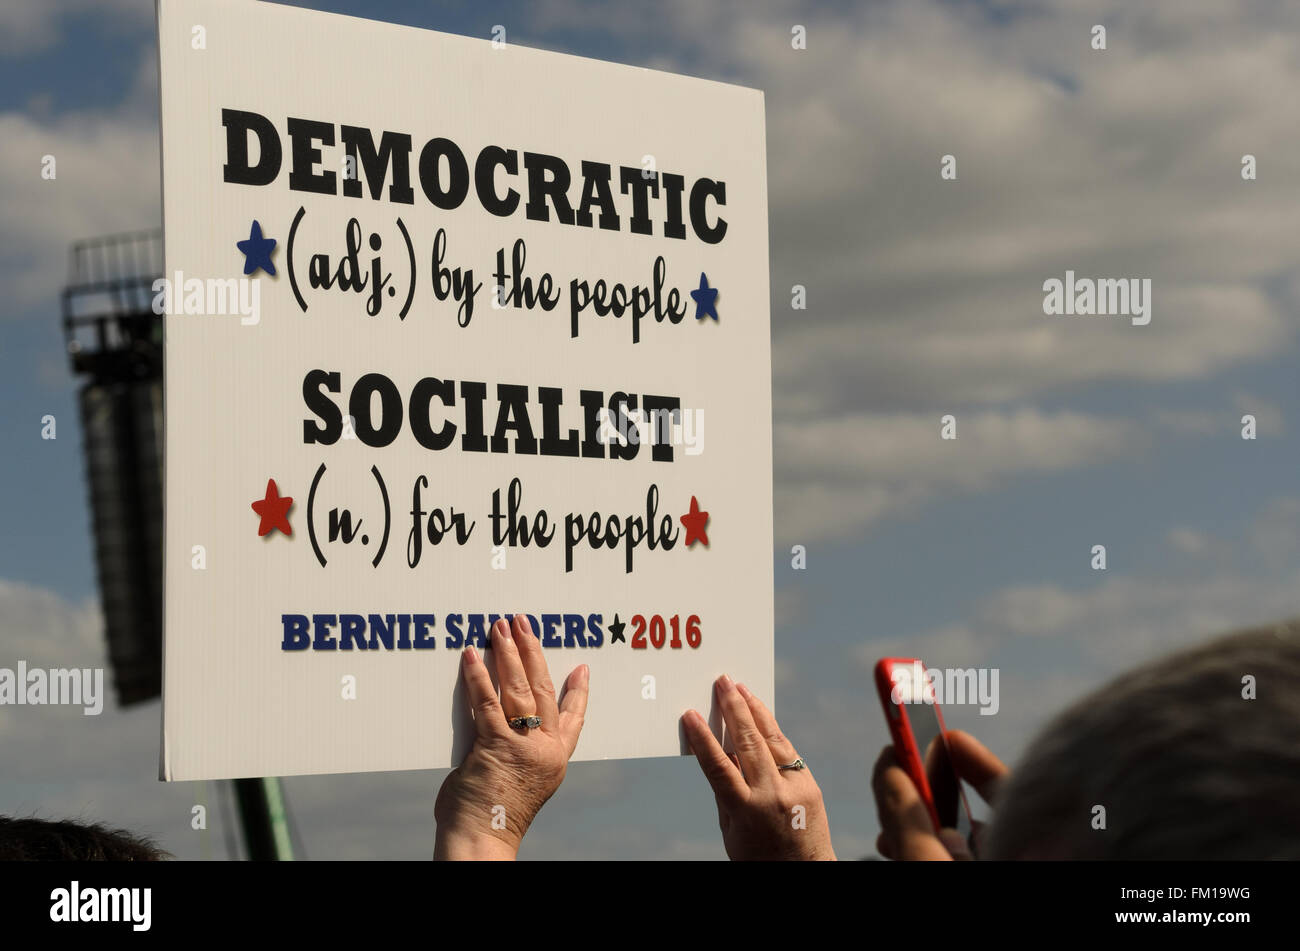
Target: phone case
{"type": "Point", "coordinates": [900, 729]}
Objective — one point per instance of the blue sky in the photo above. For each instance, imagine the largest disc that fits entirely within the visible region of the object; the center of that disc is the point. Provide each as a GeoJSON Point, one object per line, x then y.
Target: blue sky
{"type": "Point", "coordinates": [924, 299]}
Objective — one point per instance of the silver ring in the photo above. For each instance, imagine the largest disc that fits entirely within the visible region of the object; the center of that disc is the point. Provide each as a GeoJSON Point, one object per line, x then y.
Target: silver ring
{"type": "Point", "coordinates": [525, 723]}
{"type": "Point", "coordinates": [797, 764]}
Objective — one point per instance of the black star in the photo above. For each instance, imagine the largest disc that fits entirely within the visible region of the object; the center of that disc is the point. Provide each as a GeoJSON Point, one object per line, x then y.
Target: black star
{"type": "Point", "coordinates": [616, 631]}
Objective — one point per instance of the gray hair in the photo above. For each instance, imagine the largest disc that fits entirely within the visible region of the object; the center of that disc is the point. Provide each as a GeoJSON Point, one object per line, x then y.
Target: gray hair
{"type": "Point", "coordinates": [1184, 765]}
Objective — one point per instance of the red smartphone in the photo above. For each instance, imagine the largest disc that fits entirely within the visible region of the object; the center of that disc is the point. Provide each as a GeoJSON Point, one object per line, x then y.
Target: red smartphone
{"type": "Point", "coordinates": [915, 723]}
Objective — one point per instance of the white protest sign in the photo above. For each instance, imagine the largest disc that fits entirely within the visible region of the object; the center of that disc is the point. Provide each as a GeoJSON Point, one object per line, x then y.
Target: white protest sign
{"type": "Point", "coordinates": [496, 322]}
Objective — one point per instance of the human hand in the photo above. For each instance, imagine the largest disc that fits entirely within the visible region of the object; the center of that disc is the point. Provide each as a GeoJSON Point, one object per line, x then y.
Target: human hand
{"type": "Point", "coordinates": [514, 769]}
{"type": "Point", "coordinates": [766, 813]}
{"type": "Point", "coordinates": [906, 830]}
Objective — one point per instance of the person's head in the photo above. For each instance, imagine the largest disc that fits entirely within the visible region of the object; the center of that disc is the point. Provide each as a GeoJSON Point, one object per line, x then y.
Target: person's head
{"type": "Point", "coordinates": [1183, 763]}
{"type": "Point", "coordinates": [43, 840]}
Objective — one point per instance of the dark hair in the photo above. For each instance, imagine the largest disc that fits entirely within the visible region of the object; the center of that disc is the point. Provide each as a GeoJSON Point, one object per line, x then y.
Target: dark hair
{"type": "Point", "coordinates": [65, 840]}
{"type": "Point", "coordinates": [1185, 765]}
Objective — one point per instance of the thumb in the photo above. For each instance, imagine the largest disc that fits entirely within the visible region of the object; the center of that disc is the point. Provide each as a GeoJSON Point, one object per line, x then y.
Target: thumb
{"type": "Point", "coordinates": [976, 764]}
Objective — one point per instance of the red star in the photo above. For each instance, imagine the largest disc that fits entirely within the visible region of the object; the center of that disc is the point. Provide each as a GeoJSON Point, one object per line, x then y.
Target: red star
{"type": "Point", "coordinates": [274, 510]}
{"type": "Point", "coordinates": [694, 522]}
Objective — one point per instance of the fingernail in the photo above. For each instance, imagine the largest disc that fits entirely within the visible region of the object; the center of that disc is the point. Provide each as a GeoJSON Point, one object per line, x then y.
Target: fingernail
{"type": "Point", "coordinates": [521, 620]}
{"type": "Point", "coordinates": [744, 691]}
{"type": "Point", "coordinates": [726, 684]}
{"type": "Point", "coordinates": [500, 628]}
{"type": "Point", "coordinates": [471, 655]}
{"type": "Point", "coordinates": [584, 674]}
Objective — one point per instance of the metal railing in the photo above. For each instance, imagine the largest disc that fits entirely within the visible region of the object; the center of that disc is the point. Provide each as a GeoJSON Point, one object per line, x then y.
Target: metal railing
{"type": "Point", "coordinates": [109, 327]}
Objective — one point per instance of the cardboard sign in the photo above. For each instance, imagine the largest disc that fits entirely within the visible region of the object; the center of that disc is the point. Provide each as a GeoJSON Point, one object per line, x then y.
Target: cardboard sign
{"type": "Point", "coordinates": [455, 329]}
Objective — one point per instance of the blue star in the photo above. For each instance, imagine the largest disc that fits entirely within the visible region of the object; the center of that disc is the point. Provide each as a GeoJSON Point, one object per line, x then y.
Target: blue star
{"type": "Point", "coordinates": [706, 300]}
{"type": "Point", "coordinates": [257, 251]}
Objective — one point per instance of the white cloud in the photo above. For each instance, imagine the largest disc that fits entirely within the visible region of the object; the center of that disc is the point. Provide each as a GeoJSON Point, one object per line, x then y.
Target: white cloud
{"type": "Point", "coordinates": [1188, 541]}
{"type": "Point", "coordinates": [46, 630]}
{"type": "Point", "coordinates": [925, 296]}
{"type": "Point", "coordinates": [107, 181]}
{"type": "Point", "coordinates": [1122, 163]}
{"type": "Point", "coordinates": [1275, 533]}
{"type": "Point", "coordinates": [1119, 622]}
{"type": "Point", "coordinates": [60, 762]}
{"type": "Point", "coordinates": [1269, 418]}
{"type": "Point", "coordinates": [1093, 634]}
{"type": "Point", "coordinates": [31, 26]}
{"type": "Point", "coordinates": [928, 291]}
{"type": "Point", "coordinates": [950, 645]}
{"type": "Point", "coordinates": [836, 475]}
